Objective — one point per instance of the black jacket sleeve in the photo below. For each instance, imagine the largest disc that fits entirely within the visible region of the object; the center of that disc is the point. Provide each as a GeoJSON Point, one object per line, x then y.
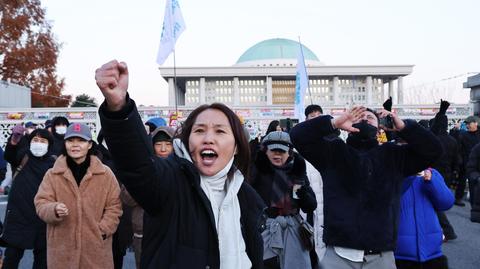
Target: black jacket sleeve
{"type": "Point", "coordinates": [307, 201]}
{"type": "Point", "coordinates": [147, 178]}
{"type": "Point", "coordinates": [422, 150]}
{"type": "Point", "coordinates": [473, 171]}
{"type": "Point", "coordinates": [309, 138]}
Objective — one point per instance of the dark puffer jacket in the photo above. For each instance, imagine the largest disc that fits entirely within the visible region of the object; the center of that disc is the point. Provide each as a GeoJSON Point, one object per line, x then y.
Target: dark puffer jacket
{"type": "Point", "coordinates": [362, 185]}
{"type": "Point", "coordinates": [185, 235]}
{"type": "Point", "coordinates": [22, 227]}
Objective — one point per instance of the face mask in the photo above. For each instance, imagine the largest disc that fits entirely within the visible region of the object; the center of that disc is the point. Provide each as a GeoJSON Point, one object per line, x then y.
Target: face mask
{"type": "Point", "coordinates": [38, 149]}
{"type": "Point", "coordinates": [367, 131]}
{"type": "Point", "coordinates": [61, 130]}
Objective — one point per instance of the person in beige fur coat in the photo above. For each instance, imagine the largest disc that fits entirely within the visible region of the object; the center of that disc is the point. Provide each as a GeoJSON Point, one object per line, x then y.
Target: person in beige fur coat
{"type": "Point", "coordinates": [79, 201]}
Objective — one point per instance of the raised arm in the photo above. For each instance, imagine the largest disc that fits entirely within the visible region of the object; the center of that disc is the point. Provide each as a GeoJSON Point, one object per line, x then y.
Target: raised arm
{"type": "Point", "coordinates": [147, 178]}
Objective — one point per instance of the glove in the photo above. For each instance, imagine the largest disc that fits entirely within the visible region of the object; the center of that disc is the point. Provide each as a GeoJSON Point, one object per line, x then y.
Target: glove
{"type": "Point", "coordinates": [17, 133]}
{"type": "Point", "coordinates": [388, 104]}
{"type": "Point", "coordinates": [443, 106]}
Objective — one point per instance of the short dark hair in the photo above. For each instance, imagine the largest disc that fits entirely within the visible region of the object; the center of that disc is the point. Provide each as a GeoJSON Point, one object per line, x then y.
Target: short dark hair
{"type": "Point", "coordinates": [242, 158]}
{"type": "Point", "coordinates": [312, 108]}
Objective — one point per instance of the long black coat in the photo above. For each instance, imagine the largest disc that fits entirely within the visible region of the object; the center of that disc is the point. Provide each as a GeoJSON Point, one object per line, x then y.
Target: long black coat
{"type": "Point", "coordinates": [169, 190]}
{"type": "Point", "coordinates": [15, 153]}
{"type": "Point", "coordinates": [362, 184]}
{"type": "Point", "coordinates": [22, 227]}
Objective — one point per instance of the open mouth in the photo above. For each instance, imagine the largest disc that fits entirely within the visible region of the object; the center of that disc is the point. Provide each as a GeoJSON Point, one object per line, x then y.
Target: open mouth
{"type": "Point", "coordinates": [208, 156]}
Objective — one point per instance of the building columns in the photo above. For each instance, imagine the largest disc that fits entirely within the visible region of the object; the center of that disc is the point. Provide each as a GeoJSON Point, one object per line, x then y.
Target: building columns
{"type": "Point", "coordinates": [400, 90]}
{"type": "Point", "coordinates": [236, 92]}
{"type": "Point", "coordinates": [369, 90]}
{"type": "Point", "coordinates": [336, 93]}
{"type": "Point", "coordinates": [269, 91]}
{"type": "Point", "coordinates": [391, 92]}
{"type": "Point", "coordinates": [171, 92]}
{"type": "Point", "coordinates": [202, 98]}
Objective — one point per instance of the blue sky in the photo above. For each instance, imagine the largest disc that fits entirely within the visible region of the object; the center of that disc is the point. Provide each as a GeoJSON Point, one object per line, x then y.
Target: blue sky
{"type": "Point", "coordinates": [439, 37]}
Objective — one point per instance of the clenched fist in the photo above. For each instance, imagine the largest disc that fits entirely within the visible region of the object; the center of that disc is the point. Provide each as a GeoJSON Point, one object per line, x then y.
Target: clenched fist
{"type": "Point", "coordinates": [61, 210]}
{"type": "Point", "coordinates": [112, 80]}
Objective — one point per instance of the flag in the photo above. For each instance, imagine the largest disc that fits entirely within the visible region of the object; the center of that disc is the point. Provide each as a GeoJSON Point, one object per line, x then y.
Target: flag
{"type": "Point", "coordinates": [301, 85]}
{"type": "Point", "coordinates": [173, 26]}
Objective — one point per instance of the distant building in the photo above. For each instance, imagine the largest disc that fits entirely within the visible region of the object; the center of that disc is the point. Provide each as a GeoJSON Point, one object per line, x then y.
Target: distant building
{"type": "Point", "coordinates": [14, 95]}
{"type": "Point", "coordinates": [473, 83]}
{"type": "Point", "coordinates": [264, 75]}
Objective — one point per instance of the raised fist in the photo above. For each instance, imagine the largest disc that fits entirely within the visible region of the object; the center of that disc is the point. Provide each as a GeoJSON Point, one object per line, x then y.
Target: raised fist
{"type": "Point", "coordinates": [444, 104]}
{"type": "Point", "coordinates": [387, 105]}
{"type": "Point", "coordinates": [17, 133]}
{"type": "Point", "coordinates": [112, 80]}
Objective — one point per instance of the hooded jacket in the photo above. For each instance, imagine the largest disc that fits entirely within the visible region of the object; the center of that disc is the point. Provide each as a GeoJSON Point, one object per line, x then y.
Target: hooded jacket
{"type": "Point", "coordinates": [419, 232]}
{"type": "Point", "coordinates": [94, 209]}
{"type": "Point", "coordinates": [22, 227]}
{"type": "Point", "coordinates": [362, 184]}
{"type": "Point", "coordinates": [184, 234]}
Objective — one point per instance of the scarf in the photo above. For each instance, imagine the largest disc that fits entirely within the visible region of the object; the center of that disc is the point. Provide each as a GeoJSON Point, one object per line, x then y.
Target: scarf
{"type": "Point", "coordinates": [222, 194]}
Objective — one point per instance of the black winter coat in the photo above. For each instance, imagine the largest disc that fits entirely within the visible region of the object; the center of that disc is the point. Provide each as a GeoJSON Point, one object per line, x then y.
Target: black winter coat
{"type": "Point", "coordinates": [467, 140]}
{"type": "Point", "coordinates": [263, 176]}
{"type": "Point", "coordinates": [15, 153]}
{"type": "Point", "coordinates": [169, 190]}
{"type": "Point", "coordinates": [22, 227]}
{"type": "Point", "coordinates": [449, 161]}
{"type": "Point", "coordinates": [473, 174]}
{"type": "Point", "coordinates": [362, 186]}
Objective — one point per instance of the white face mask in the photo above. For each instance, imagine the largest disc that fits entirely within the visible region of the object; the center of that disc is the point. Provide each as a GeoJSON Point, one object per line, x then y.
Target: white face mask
{"type": "Point", "coordinates": [61, 130]}
{"type": "Point", "coordinates": [38, 149]}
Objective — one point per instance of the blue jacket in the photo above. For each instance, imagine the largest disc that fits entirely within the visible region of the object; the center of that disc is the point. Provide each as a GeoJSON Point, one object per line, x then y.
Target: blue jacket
{"type": "Point", "coordinates": [419, 232]}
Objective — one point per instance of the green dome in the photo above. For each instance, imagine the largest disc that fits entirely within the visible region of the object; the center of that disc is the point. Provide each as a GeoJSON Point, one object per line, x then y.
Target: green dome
{"type": "Point", "coordinates": [276, 48]}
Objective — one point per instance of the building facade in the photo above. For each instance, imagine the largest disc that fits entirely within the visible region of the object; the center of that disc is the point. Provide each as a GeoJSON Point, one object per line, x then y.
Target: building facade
{"type": "Point", "coordinates": [264, 75]}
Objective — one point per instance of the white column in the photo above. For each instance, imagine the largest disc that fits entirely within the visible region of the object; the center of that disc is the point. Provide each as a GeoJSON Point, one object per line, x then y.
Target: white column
{"type": "Point", "coordinates": [236, 92]}
{"type": "Point", "coordinates": [390, 91]}
{"type": "Point", "coordinates": [171, 92]}
{"type": "Point", "coordinates": [400, 90]}
{"type": "Point", "coordinates": [202, 99]}
{"type": "Point", "coordinates": [336, 92]}
{"type": "Point", "coordinates": [369, 89]}
{"type": "Point", "coordinates": [269, 91]}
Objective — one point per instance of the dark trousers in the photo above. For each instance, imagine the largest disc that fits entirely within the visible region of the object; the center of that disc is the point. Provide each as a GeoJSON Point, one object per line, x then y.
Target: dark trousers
{"type": "Point", "coordinates": [460, 189]}
{"type": "Point", "coordinates": [447, 228]}
{"type": "Point", "coordinates": [437, 263]}
{"type": "Point", "coordinates": [14, 255]}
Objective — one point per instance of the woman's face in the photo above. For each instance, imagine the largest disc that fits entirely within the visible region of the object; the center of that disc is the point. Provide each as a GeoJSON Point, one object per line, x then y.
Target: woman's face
{"type": "Point", "coordinates": [211, 142]}
{"type": "Point", "coordinates": [77, 148]}
{"type": "Point", "coordinates": [163, 148]}
{"type": "Point", "coordinates": [277, 157]}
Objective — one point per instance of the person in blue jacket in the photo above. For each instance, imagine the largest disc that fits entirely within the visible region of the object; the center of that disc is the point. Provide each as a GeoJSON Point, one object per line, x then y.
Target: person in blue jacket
{"type": "Point", "coordinates": [420, 236]}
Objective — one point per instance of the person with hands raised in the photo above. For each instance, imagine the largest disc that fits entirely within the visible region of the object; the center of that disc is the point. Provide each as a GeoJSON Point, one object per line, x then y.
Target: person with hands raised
{"type": "Point", "coordinates": [362, 181]}
{"type": "Point", "coordinates": [206, 215]}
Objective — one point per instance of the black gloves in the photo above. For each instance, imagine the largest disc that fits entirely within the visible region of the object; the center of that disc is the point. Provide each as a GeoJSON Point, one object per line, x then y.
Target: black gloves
{"type": "Point", "coordinates": [388, 104]}
{"type": "Point", "coordinates": [443, 106]}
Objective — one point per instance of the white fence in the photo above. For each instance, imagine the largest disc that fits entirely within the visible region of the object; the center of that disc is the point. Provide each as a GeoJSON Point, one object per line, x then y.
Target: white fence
{"type": "Point", "coordinates": [256, 118]}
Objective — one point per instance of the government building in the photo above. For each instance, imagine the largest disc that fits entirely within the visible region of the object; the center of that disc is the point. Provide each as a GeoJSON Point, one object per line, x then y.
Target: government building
{"type": "Point", "coordinates": [264, 76]}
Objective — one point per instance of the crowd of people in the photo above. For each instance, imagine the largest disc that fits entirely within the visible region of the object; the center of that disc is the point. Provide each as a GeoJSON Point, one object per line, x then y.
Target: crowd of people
{"type": "Point", "coordinates": [207, 195]}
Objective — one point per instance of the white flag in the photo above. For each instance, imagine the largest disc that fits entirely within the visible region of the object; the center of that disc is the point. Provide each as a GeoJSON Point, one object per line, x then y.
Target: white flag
{"type": "Point", "coordinates": [301, 85]}
{"type": "Point", "coordinates": [173, 26]}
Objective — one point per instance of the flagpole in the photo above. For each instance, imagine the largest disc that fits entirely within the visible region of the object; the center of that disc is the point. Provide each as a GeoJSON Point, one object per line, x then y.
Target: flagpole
{"type": "Point", "coordinates": [308, 80]}
{"type": "Point", "coordinates": [175, 82]}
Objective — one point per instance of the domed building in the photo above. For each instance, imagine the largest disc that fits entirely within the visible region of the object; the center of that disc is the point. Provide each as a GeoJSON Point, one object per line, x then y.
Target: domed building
{"type": "Point", "coordinates": [264, 77]}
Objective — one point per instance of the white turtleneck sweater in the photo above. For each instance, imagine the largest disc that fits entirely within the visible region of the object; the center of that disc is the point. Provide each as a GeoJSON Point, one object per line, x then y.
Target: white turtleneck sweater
{"type": "Point", "coordinates": [222, 193]}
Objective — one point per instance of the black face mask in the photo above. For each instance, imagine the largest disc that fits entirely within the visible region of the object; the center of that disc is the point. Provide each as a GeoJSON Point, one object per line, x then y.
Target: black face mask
{"type": "Point", "coordinates": [367, 131]}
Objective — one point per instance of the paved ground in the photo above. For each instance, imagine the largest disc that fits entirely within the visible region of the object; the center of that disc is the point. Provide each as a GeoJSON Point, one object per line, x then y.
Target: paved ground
{"type": "Point", "coordinates": [463, 253]}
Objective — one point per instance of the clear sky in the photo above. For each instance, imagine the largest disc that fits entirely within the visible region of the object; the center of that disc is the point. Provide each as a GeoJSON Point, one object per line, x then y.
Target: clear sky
{"type": "Point", "coordinates": [439, 37]}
